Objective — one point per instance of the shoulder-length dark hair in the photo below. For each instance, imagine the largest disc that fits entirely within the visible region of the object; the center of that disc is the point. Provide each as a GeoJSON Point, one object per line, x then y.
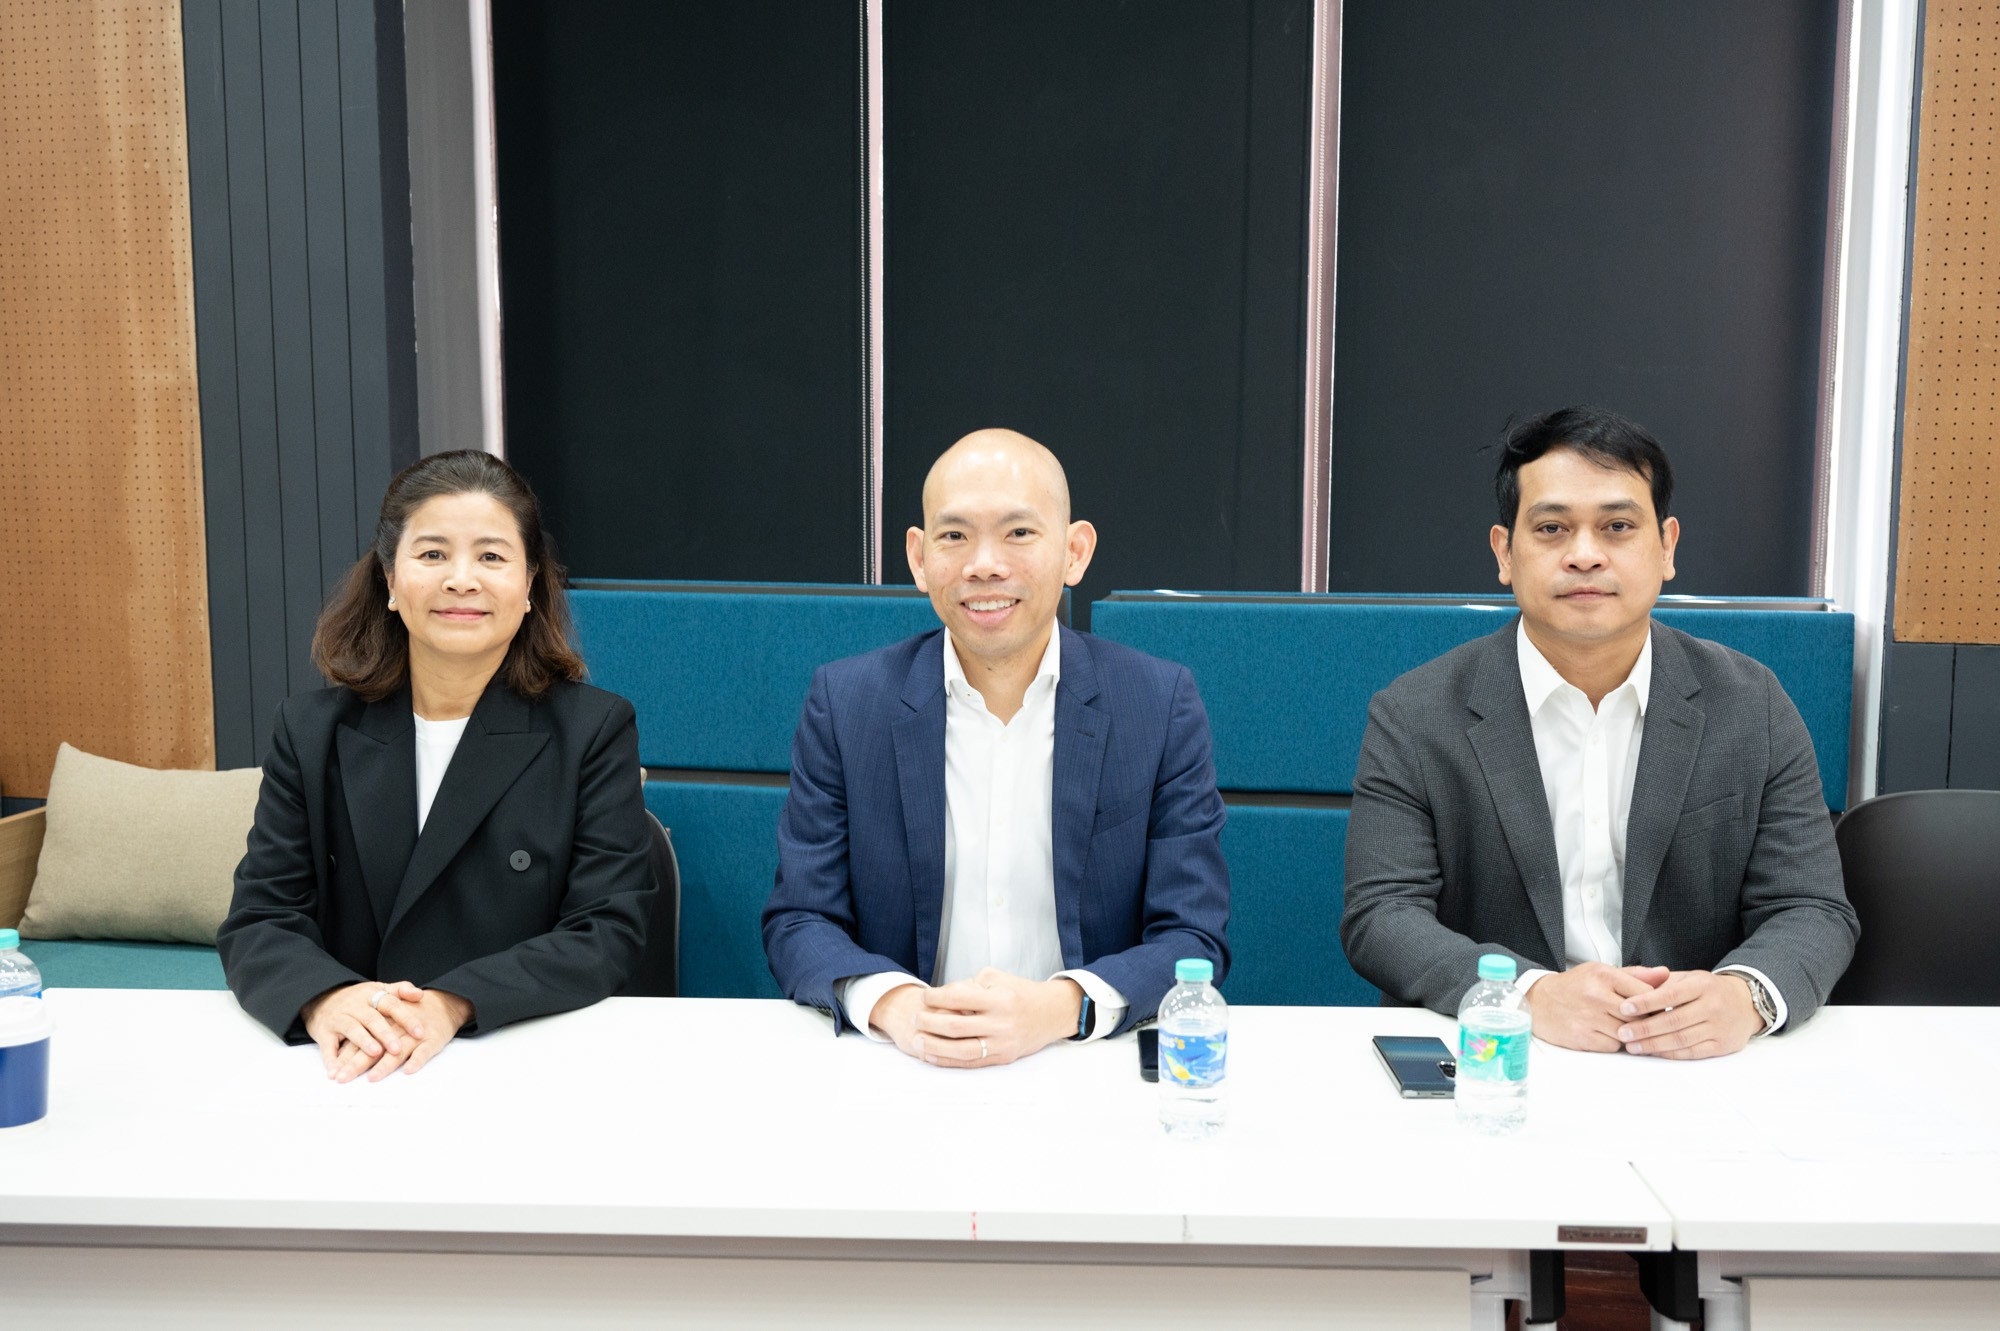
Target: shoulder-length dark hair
{"type": "Point", "coordinates": [361, 643]}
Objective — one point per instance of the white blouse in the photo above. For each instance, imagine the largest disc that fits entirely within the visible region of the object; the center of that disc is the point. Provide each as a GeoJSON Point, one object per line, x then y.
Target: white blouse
{"type": "Point", "coordinates": [436, 742]}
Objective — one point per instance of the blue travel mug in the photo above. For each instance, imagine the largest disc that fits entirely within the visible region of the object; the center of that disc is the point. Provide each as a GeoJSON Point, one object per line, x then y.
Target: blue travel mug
{"type": "Point", "coordinates": [25, 1027]}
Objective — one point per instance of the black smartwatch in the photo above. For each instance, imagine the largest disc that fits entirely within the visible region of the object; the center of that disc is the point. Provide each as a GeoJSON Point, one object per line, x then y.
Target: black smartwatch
{"type": "Point", "coordinates": [1084, 1016]}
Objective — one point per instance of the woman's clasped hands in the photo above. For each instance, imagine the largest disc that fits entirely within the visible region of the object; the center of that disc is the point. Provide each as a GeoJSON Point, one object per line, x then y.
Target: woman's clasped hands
{"type": "Point", "coordinates": [375, 1028]}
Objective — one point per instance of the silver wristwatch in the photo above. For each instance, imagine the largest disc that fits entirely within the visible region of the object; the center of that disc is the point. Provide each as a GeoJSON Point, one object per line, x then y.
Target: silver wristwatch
{"type": "Point", "coordinates": [1760, 998]}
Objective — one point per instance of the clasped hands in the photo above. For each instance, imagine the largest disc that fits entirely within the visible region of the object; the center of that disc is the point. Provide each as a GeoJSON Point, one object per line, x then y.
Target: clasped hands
{"type": "Point", "coordinates": [1644, 1010]}
{"type": "Point", "coordinates": [990, 1019]}
{"type": "Point", "coordinates": [358, 1032]}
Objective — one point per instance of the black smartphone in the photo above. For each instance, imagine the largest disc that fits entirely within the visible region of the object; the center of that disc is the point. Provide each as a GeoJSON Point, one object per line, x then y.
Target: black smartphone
{"type": "Point", "coordinates": [1421, 1064]}
{"type": "Point", "coordinates": [1149, 1053]}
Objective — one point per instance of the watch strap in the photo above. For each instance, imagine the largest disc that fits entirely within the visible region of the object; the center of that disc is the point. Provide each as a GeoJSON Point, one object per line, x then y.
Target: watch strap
{"type": "Point", "coordinates": [1760, 998]}
{"type": "Point", "coordinates": [1086, 1016]}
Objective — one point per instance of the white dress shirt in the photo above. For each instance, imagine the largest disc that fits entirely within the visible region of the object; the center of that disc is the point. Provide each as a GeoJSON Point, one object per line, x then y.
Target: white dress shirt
{"type": "Point", "coordinates": [436, 742]}
{"type": "Point", "coordinates": [1589, 759]}
{"type": "Point", "coordinates": [999, 852]}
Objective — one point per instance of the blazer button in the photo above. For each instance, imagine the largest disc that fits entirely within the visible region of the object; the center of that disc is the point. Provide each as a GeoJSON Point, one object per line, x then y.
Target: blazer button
{"type": "Point", "coordinates": [519, 860]}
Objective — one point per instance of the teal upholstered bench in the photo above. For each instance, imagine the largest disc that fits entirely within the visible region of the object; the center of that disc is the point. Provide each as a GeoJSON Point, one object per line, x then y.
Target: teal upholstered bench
{"type": "Point", "coordinates": [102, 964]}
{"type": "Point", "coordinates": [1287, 679]}
{"type": "Point", "coordinates": [717, 673]}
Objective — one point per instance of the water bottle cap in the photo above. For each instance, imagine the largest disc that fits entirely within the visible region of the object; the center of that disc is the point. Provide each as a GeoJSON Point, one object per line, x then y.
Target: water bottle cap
{"type": "Point", "coordinates": [1493, 966]}
{"type": "Point", "coordinates": [1193, 970]}
{"type": "Point", "coordinates": [9, 938]}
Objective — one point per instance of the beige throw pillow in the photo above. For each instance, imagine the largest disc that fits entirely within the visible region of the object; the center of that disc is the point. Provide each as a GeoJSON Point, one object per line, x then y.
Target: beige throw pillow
{"type": "Point", "coordinates": [138, 854]}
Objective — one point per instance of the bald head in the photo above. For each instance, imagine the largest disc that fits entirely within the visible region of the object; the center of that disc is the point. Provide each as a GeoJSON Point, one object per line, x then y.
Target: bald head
{"type": "Point", "coordinates": [997, 461]}
{"type": "Point", "coordinates": [996, 550]}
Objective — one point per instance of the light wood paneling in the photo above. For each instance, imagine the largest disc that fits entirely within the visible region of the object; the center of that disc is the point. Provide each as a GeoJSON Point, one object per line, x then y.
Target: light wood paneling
{"type": "Point", "coordinates": [1948, 533]}
{"type": "Point", "coordinates": [103, 597]}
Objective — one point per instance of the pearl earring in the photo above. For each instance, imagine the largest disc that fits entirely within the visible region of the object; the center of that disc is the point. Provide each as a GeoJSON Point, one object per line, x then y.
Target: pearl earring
{"type": "Point", "coordinates": [392, 600]}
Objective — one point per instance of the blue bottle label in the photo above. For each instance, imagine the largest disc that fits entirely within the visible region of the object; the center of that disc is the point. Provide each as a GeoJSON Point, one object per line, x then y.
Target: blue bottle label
{"type": "Point", "coordinates": [1487, 1056]}
{"type": "Point", "coordinates": [1195, 1060]}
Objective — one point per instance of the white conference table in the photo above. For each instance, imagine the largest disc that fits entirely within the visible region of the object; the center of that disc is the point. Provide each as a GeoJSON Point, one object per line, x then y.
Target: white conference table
{"type": "Point", "coordinates": [707, 1162]}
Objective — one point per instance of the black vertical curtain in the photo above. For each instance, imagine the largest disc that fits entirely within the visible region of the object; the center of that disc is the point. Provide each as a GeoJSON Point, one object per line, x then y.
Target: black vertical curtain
{"type": "Point", "coordinates": [679, 189]}
{"type": "Point", "coordinates": [1569, 201]}
{"type": "Point", "coordinates": [1095, 235]}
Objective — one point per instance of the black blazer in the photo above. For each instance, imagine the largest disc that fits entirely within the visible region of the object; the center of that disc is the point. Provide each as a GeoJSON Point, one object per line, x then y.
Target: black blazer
{"type": "Point", "coordinates": [528, 892]}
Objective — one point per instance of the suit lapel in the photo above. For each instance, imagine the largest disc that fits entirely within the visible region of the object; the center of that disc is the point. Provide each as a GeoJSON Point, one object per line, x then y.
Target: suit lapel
{"type": "Point", "coordinates": [1668, 745]}
{"type": "Point", "coordinates": [1504, 742]}
{"type": "Point", "coordinates": [1082, 730]}
{"type": "Point", "coordinates": [496, 748]}
{"type": "Point", "coordinates": [378, 779]}
{"type": "Point", "coordinates": [919, 739]}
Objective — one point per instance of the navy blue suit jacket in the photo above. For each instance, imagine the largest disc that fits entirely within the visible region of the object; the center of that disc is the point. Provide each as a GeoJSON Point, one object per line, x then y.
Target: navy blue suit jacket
{"type": "Point", "coordinates": [1136, 824]}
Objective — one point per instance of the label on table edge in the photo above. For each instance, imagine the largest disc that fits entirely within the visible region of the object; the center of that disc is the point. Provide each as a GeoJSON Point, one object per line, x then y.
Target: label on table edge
{"type": "Point", "coordinates": [1623, 1238]}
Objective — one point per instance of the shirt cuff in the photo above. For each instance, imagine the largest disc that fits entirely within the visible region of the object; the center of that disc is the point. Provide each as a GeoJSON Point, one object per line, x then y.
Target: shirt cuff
{"type": "Point", "coordinates": [859, 995]}
{"type": "Point", "coordinates": [1107, 1004]}
{"type": "Point", "coordinates": [1526, 981]}
{"type": "Point", "coordinates": [1777, 998]}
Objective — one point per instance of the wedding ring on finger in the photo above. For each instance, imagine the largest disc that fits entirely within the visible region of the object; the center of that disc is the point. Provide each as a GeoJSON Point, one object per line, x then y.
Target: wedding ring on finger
{"type": "Point", "coordinates": [982, 1050]}
{"type": "Point", "coordinates": [376, 1001]}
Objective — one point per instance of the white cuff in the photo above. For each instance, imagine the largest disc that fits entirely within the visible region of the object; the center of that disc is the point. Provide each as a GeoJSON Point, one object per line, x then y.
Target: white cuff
{"type": "Point", "coordinates": [1107, 1003]}
{"type": "Point", "coordinates": [859, 995]}
{"type": "Point", "coordinates": [1526, 981]}
{"type": "Point", "coordinates": [1777, 998]}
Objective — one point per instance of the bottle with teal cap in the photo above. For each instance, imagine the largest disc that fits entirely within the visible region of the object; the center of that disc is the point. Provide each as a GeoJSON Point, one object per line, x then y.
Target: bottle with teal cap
{"type": "Point", "coordinates": [1194, 1052]}
{"type": "Point", "coordinates": [18, 976]}
{"type": "Point", "coordinates": [1494, 1033]}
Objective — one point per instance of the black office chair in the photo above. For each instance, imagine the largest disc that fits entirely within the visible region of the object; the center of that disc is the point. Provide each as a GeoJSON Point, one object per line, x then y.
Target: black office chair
{"type": "Point", "coordinates": [1923, 872]}
{"type": "Point", "coordinates": [658, 974]}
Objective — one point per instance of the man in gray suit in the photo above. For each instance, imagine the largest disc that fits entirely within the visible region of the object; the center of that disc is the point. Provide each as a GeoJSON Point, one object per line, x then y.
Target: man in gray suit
{"type": "Point", "coordinates": [1633, 814]}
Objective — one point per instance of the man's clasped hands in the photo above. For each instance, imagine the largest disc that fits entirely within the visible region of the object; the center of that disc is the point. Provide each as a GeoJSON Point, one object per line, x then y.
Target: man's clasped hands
{"type": "Point", "coordinates": [1644, 1010]}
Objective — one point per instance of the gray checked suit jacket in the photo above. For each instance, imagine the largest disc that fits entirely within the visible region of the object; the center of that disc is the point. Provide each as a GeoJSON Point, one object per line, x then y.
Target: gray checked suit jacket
{"type": "Point", "coordinates": [1729, 854]}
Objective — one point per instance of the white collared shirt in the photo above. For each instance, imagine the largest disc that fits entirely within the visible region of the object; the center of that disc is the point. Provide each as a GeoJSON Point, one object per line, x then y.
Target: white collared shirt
{"type": "Point", "coordinates": [999, 905]}
{"type": "Point", "coordinates": [1590, 759]}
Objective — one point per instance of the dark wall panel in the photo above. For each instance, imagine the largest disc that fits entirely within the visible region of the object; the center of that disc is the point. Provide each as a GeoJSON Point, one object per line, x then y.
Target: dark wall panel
{"type": "Point", "coordinates": [1095, 235]}
{"type": "Point", "coordinates": [300, 210]}
{"type": "Point", "coordinates": [1916, 716]}
{"type": "Point", "coordinates": [1570, 201]}
{"type": "Point", "coordinates": [1975, 718]}
{"type": "Point", "coordinates": [680, 194]}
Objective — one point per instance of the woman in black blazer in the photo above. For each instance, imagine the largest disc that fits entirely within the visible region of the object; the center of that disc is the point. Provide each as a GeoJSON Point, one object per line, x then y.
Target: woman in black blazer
{"type": "Point", "coordinates": [453, 837]}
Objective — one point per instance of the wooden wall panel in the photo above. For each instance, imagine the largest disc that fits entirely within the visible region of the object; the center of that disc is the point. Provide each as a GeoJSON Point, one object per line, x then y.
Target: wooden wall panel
{"type": "Point", "coordinates": [1948, 530]}
{"type": "Point", "coordinates": [103, 599]}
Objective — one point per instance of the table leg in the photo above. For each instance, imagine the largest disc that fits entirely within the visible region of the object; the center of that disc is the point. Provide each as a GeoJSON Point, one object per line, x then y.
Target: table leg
{"type": "Point", "coordinates": [1671, 1283]}
{"type": "Point", "coordinates": [1544, 1305]}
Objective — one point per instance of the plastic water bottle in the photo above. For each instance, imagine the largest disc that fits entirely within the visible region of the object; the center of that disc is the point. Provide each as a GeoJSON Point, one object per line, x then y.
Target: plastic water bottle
{"type": "Point", "coordinates": [1194, 1053]}
{"type": "Point", "coordinates": [1491, 1087]}
{"type": "Point", "coordinates": [18, 976]}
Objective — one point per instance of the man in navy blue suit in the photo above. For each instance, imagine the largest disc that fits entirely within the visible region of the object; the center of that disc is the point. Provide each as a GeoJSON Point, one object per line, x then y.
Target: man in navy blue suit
{"type": "Point", "coordinates": [1003, 833]}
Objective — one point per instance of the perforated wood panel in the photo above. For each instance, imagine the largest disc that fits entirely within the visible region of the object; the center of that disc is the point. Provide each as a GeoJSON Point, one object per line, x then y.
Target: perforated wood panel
{"type": "Point", "coordinates": [1948, 537]}
{"type": "Point", "coordinates": [103, 600]}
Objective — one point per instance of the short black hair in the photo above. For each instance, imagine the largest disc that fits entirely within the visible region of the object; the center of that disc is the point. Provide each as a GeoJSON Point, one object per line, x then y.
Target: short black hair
{"type": "Point", "coordinates": [1604, 437]}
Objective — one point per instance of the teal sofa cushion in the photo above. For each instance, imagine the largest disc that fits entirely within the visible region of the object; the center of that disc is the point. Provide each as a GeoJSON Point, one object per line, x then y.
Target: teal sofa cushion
{"type": "Point", "coordinates": [1286, 889]}
{"type": "Point", "coordinates": [726, 838]}
{"type": "Point", "coordinates": [1286, 678]}
{"type": "Point", "coordinates": [89, 964]}
{"type": "Point", "coordinates": [718, 671]}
